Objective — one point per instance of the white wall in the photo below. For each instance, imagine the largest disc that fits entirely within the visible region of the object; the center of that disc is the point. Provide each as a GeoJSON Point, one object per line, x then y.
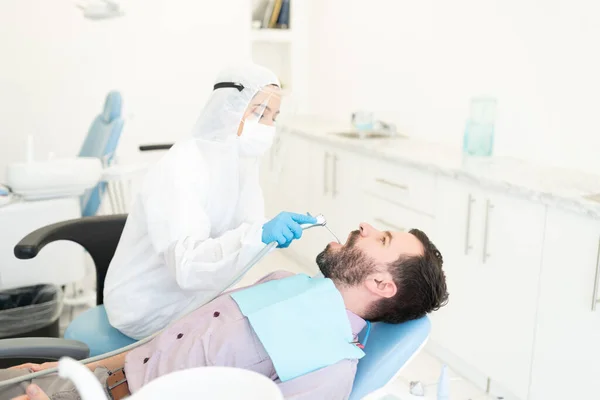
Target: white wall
{"type": "Point", "coordinates": [56, 68]}
{"type": "Point", "coordinates": [417, 63]}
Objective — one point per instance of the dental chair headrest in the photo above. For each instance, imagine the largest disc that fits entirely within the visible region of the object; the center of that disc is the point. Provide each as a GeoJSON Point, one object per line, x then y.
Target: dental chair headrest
{"type": "Point", "coordinates": [112, 107]}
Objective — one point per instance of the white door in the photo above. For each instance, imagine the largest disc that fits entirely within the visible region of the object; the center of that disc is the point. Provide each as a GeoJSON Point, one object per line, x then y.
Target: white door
{"type": "Point", "coordinates": [509, 263]}
{"type": "Point", "coordinates": [566, 360]}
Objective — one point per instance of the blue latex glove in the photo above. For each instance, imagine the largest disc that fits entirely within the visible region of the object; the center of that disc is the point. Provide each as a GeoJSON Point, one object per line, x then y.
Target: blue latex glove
{"type": "Point", "coordinates": [284, 228]}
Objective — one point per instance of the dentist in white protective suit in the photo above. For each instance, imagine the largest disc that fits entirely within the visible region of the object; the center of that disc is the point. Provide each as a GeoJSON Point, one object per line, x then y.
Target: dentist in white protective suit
{"type": "Point", "coordinates": [199, 217]}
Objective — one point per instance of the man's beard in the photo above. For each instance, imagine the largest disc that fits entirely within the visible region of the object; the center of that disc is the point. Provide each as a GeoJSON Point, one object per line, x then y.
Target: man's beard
{"type": "Point", "coordinates": [347, 265]}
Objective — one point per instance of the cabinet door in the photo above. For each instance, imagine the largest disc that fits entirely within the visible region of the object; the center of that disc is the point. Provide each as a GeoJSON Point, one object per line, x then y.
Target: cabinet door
{"type": "Point", "coordinates": [270, 173]}
{"type": "Point", "coordinates": [335, 191]}
{"type": "Point", "coordinates": [566, 359]}
{"type": "Point", "coordinates": [385, 215]}
{"type": "Point", "coordinates": [509, 263]}
{"type": "Point", "coordinates": [492, 247]}
{"type": "Point", "coordinates": [455, 327]}
{"type": "Point", "coordinates": [346, 204]}
{"type": "Point", "coordinates": [318, 201]}
{"type": "Point", "coordinates": [293, 181]}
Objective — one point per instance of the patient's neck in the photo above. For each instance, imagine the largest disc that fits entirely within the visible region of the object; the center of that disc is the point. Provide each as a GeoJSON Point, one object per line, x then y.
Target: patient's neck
{"type": "Point", "coordinates": [355, 299]}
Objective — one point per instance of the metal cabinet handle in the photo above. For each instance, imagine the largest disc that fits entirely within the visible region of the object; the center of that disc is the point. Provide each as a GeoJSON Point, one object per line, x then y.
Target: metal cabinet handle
{"type": "Point", "coordinates": [334, 191]}
{"type": "Point", "coordinates": [325, 173]}
{"type": "Point", "coordinates": [389, 183]}
{"type": "Point", "coordinates": [595, 299]}
{"type": "Point", "coordinates": [488, 207]}
{"type": "Point", "coordinates": [390, 225]}
{"type": "Point", "coordinates": [468, 246]}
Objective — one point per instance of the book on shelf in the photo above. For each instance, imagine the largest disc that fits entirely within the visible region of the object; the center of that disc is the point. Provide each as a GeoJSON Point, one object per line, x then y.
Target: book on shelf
{"type": "Point", "coordinates": [272, 14]}
{"type": "Point", "coordinates": [283, 21]}
{"type": "Point", "coordinates": [275, 14]}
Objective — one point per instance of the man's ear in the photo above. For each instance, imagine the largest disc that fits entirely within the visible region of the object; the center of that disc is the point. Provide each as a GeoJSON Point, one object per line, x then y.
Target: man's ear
{"type": "Point", "coordinates": [381, 284]}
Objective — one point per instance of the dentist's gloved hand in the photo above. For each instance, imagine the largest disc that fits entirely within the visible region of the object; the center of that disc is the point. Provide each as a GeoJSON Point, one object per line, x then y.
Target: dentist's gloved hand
{"type": "Point", "coordinates": [284, 228]}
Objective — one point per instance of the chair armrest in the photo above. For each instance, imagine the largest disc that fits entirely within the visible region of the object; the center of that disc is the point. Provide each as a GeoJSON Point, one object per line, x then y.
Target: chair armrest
{"type": "Point", "coordinates": [155, 147]}
{"type": "Point", "coordinates": [89, 232]}
{"type": "Point", "coordinates": [122, 172]}
{"type": "Point", "coordinates": [48, 348]}
{"type": "Point", "coordinates": [99, 236]}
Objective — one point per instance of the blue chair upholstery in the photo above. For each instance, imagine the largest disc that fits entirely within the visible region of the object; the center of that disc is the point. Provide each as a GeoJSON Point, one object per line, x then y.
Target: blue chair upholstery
{"type": "Point", "coordinates": [101, 142]}
{"type": "Point", "coordinates": [388, 349]}
{"type": "Point", "coordinates": [93, 329]}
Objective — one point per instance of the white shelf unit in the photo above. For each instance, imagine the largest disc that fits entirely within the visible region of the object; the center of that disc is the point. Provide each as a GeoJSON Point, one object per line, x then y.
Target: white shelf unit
{"type": "Point", "coordinates": [285, 52]}
{"type": "Point", "coordinates": [272, 36]}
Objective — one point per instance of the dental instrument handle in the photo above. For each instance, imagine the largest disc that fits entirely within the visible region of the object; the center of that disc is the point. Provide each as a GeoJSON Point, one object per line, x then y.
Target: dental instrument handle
{"type": "Point", "coordinates": [321, 221]}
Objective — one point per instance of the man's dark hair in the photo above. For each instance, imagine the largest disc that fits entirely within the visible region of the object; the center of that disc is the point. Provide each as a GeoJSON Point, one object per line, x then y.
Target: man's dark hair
{"type": "Point", "coordinates": [421, 285]}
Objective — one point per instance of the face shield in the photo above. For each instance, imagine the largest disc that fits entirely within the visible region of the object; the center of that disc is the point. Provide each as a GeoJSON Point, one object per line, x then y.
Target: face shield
{"type": "Point", "coordinates": [257, 128]}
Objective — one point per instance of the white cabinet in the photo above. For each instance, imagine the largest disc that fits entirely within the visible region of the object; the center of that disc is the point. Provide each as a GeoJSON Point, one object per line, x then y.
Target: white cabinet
{"type": "Point", "coordinates": [294, 183]}
{"type": "Point", "coordinates": [270, 169]}
{"type": "Point", "coordinates": [523, 316]}
{"type": "Point", "coordinates": [510, 261]}
{"type": "Point", "coordinates": [398, 198]}
{"type": "Point", "coordinates": [345, 202]}
{"type": "Point", "coordinates": [404, 186]}
{"type": "Point", "coordinates": [284, 177]}
{"type": "Point", "coordinates": [384, 215]}
{"type": "Point", "coordinates": [334, 191]}
{"type": "Point", "coordinates": [492, 247]}
{"type": "Point", "coordinates": [456, 327]}
{"type": "Point", "coordinates": [566, 360]}
{"type": "Point", "coordinates": [286, 182]}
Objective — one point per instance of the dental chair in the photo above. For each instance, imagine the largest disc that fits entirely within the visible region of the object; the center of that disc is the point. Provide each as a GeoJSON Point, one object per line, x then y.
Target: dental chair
{"type": "Point", "coordinates": [101, 142]}
{"type": "Point", "coordinates": [388, 348]}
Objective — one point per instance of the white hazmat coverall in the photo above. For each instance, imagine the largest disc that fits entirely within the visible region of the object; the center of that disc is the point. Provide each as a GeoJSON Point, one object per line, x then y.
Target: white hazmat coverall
{"type": "Point", "coordinates": [198, 218]}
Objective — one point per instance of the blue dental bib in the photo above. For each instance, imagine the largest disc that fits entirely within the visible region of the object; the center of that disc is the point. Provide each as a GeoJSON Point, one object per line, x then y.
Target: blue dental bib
{"type": "Point", "coordinates": [301, 322]}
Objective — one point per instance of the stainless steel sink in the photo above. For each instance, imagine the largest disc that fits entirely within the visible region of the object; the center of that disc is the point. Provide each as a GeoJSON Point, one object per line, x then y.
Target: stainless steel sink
{"type": "Point", "coordinates": [367, 135]}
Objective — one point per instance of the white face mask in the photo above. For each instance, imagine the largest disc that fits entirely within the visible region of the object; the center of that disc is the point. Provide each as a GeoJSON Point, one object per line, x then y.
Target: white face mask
{"type": "Point", "coordinates": [255, 139]}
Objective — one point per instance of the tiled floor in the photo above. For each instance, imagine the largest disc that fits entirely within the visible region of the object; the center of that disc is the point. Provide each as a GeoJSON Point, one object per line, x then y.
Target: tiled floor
{"type": "Point", "coordinates": [424, 368]}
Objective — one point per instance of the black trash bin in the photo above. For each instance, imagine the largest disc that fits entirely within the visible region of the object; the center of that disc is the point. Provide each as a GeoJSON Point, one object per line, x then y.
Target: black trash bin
{"type": "Point", "coordinates": [31, 311]}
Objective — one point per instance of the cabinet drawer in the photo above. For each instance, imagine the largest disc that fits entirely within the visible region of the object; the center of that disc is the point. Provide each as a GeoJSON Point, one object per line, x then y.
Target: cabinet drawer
{"type": "Point", "coordinates": [400, 185]}
{"type": "Point", "coordinates": [384, 215]}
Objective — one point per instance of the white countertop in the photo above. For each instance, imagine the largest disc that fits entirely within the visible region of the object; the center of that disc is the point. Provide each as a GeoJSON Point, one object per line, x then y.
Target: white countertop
{"type": "Point", "coordinates": [551, 186]}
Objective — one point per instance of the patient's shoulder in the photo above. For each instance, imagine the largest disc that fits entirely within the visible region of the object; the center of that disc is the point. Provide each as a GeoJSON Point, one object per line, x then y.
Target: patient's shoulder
{"type": "Point", "coordinates": [280, 274]}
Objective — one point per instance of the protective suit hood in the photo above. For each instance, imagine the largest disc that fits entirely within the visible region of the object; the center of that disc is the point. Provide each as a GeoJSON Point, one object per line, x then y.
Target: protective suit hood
{"type": "Point", "coordinates": [221, 117]}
